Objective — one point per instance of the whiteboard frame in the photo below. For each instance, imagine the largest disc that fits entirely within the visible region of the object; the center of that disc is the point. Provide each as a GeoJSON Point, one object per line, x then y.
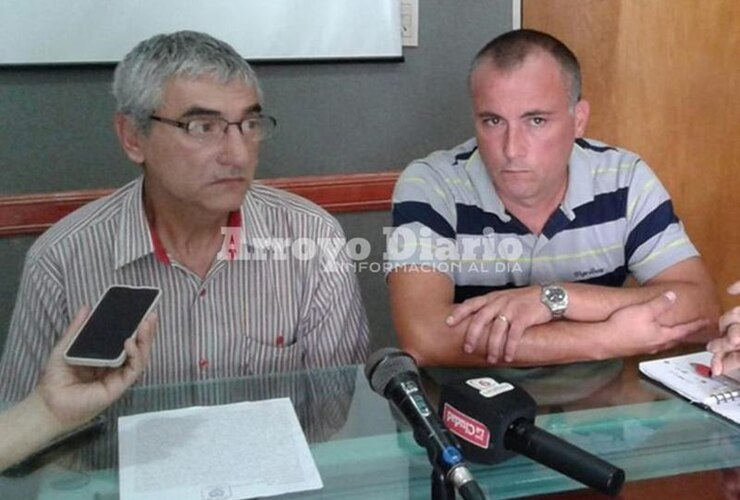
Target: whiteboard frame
{"type": "Point", "coordinates": [102, 31]}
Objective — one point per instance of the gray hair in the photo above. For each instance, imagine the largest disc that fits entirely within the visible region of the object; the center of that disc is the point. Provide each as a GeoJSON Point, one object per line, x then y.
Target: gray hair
{"type": "Point", "coordinates": [508, 51]}
{"type": "Point", "coordinates": [141, 77]}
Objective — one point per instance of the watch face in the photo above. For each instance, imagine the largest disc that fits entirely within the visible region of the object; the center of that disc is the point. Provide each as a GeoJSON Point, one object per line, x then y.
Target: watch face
{"type": "Point", "coordinates": [555, 294]}
{"type": "Point", "coordinates": [556, 299]}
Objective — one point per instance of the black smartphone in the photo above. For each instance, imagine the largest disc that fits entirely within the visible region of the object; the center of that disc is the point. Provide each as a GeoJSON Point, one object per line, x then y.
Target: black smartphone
{"type": "Point", "coordinates": [115, 318]}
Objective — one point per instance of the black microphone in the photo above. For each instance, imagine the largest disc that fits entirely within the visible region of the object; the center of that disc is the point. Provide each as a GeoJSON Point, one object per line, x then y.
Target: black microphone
{"type": "Point", "coordinates": [393, 374]}
{"type": "Point", "coordinates": [495, 419]}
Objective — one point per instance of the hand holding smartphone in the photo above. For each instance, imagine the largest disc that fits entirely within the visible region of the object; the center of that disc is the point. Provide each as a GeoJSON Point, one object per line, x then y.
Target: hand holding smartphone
{"type": "Point", "coordinates": [115, 318]}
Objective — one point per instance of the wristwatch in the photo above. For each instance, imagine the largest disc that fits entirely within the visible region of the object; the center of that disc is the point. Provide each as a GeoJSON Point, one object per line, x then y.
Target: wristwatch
{"type": "Point", "coordinates": [555, 298]}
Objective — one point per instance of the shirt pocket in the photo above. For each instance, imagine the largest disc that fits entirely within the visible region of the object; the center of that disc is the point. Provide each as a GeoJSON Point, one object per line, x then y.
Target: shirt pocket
{"type": "Point", "coordinates": [273, 357]}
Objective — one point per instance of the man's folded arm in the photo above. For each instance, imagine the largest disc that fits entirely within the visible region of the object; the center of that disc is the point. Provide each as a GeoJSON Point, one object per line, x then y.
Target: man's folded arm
{"type": "Point", "coordinates": [689, 280]}
{"type": "Point", "coordinates": [626, 324]}
{"type": "Point", "coordinates": [421, 302]}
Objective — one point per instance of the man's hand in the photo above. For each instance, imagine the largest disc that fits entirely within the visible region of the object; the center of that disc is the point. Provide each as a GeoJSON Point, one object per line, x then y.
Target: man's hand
{"type": "Point", "coordinates": [640, 329]}
{"type": "Point", "coordinates": [75, 394]}
{"type": "Point", "coordinates": [500, 317]}
{"type": "Point", "coordinates": [726, 349]}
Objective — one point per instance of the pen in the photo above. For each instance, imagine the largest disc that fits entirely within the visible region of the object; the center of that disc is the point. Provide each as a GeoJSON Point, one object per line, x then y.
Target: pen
{"type": "Point", "coordinates": [702, 370]}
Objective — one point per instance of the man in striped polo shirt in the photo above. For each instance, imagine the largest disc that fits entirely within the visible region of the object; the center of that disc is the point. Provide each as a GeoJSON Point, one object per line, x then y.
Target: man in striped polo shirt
{"type": "Point", "coordinates": [236, 300]}
{"type": "Point", "coordinates": [529, 223]}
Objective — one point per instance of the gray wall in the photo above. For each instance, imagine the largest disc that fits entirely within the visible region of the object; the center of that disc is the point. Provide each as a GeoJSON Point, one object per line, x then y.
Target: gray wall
{"type": "Point", "coordinates": [56, 134]}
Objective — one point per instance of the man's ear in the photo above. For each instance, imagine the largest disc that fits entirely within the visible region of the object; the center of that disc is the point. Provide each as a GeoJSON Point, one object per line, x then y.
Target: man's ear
{"type": "Point", "coordinates": [582, 112]}
{"type": "Point", "coordinates": [129, 137]}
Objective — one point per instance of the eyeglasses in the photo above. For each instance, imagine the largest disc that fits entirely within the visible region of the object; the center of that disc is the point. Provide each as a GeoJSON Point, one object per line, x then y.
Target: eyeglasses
{"type": "Point", "coordinates": [213, 128]}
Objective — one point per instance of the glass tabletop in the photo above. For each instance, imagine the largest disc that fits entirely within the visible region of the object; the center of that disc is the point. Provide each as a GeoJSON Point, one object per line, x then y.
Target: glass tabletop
{"type": "Point", "coordinates": [364, 450]}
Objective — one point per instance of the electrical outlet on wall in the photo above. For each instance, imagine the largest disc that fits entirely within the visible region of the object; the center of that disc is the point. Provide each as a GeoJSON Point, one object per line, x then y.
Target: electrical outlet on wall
{"type": "Point", "coordinates": [410, 23]}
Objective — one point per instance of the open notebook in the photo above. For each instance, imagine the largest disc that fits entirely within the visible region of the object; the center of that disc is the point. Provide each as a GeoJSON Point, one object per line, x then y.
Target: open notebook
{"type": "Point", "coordinates": [690, 376]}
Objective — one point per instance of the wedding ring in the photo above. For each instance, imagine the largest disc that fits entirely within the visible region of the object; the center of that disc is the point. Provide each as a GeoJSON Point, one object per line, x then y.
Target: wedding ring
{"type": "Point", "coordinates": [503, 318]}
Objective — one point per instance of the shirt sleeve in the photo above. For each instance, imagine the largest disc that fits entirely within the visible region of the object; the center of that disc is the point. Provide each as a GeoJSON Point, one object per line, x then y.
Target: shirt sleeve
{"type": "Point", "coordinates": [39, 319]}
{"type": "Point", "coordinates": [656, 239]}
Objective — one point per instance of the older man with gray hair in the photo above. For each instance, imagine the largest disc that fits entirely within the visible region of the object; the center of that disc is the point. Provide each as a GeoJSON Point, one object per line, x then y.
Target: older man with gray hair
{"type": "Point", "coordinates": [190, 115]}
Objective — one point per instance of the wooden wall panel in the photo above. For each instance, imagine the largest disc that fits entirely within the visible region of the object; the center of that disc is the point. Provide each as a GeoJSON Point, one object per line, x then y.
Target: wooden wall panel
{"type": "Point", "coordinates": [663, 80]}
{"type": "Point", "coordinates": [29, 214]}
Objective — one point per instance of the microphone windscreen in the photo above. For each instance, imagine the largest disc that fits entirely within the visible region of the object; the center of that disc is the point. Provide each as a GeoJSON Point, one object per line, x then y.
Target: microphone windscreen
{"type": "Point", "coordinates": [384, 364]}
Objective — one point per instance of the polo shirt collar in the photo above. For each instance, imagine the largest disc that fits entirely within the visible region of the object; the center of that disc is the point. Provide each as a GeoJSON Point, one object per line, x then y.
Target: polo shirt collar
{"type": "Point", "coordinates": [483, 184]}
{"type": "Point", "coordinates": [580, 182]}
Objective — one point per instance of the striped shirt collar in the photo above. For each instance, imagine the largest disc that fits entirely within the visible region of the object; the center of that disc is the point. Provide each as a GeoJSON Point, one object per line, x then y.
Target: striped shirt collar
{"type": "Point", "coordinates": [580, 184]}
{"type": "Point", "coordinates": [484, 185]}
{"type": "Point", "coordinates": [253, 219]}
{"type": "Point", "coordinates": [134, 240]}
{"type": "Point", "coordinates": [137, 238]}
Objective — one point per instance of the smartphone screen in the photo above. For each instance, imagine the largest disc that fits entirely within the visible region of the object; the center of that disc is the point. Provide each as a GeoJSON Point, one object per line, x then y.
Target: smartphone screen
{"type": "Point", "coordinates": [114, 319]}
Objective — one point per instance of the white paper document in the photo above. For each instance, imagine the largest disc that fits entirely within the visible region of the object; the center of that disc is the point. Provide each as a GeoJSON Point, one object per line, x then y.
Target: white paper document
{"type": "Point", "coordinates": [242, 450]}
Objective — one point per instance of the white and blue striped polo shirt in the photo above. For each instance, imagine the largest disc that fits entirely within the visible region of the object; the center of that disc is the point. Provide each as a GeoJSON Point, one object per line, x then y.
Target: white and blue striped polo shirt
{"type": "Point", "coordinates": [616, 219]}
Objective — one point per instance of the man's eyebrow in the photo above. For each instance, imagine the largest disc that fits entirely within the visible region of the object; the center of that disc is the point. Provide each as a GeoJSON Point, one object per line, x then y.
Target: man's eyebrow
{"type": "Point", "coordinates": [200, 111]}
{"type": "Point", "coordinates": [254, 108]}
{"type": "Point", "coordinates": [488, 114]}
{"type": "Point", "coordinates": [536, 112]}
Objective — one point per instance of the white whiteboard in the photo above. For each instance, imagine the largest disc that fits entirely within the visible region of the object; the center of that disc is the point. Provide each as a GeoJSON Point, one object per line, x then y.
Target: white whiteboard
{"type": "Point", "coordinates": [95, 31]}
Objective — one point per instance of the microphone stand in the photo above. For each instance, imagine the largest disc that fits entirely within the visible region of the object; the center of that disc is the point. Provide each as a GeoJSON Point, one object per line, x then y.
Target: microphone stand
{"type": "Point", "coordinates": [442, 488]}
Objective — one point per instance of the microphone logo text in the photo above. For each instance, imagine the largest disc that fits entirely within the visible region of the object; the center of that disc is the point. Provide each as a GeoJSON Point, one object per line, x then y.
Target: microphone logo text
{"type": "Point", "coordinates": [465, 427]}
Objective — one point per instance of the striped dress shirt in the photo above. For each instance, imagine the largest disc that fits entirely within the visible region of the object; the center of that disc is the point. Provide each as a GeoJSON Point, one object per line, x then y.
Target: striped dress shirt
{"type": "Point", "coordinates": [249, 315]}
